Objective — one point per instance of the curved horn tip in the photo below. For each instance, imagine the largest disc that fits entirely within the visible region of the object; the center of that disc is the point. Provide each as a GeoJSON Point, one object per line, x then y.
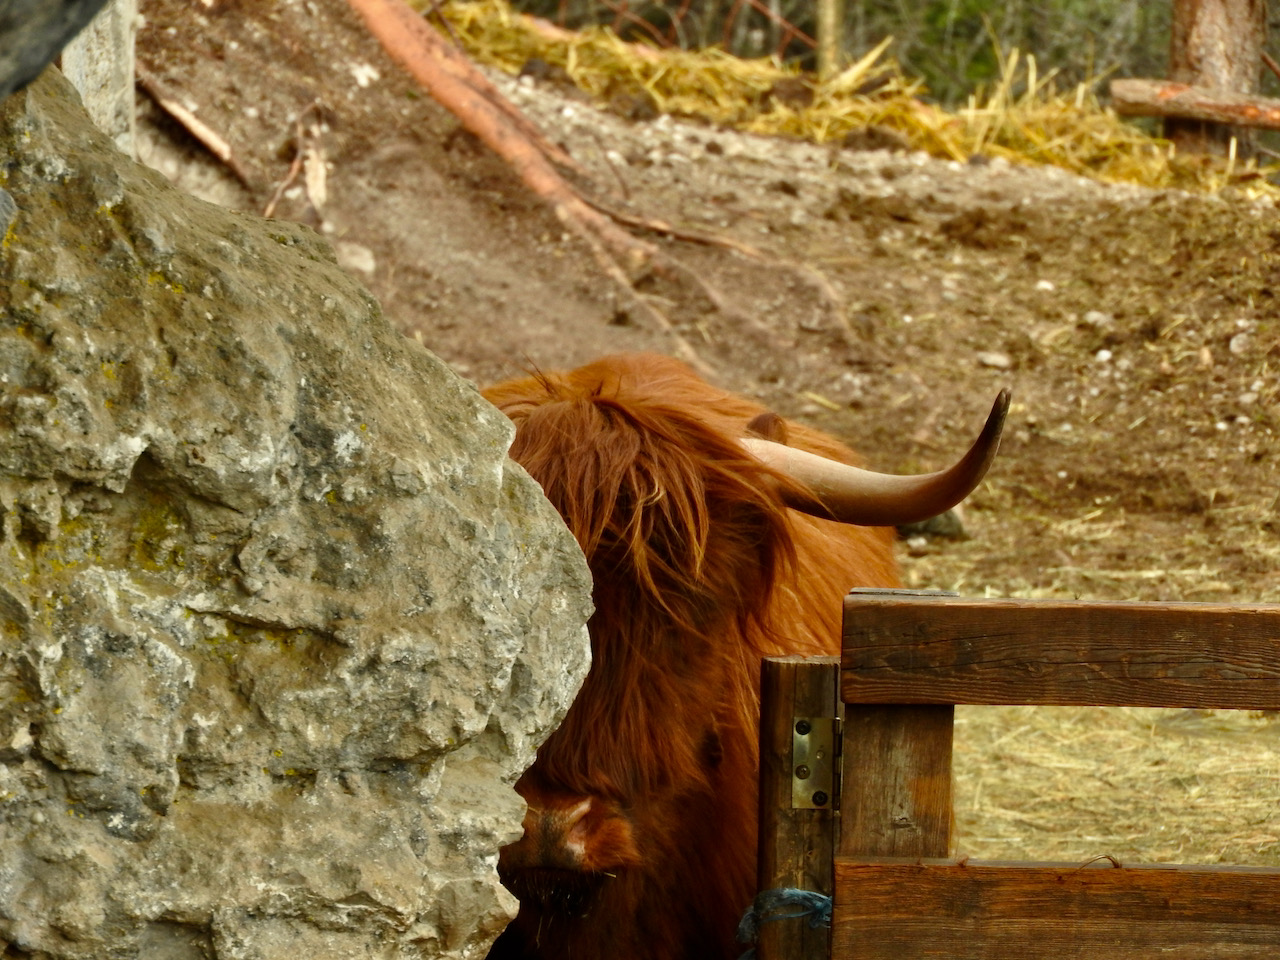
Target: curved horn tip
{"type": "Point", "coordinates": [1001, 406]}
{"type": "Point", "coordinates": [988, 442]}
{"type": "Point", "coordinates": [999, 411]}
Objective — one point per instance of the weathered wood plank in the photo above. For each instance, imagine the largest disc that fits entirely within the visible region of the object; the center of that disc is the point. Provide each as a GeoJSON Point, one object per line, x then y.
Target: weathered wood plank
{"type": "Point", "coordinates": [896, 789]}
{"type": "Point", "coordinates": [898, 909]}
{"type": "Point", "coordinates": [796, 845]}
{"type": "Point", "coordinates": [940, 650]}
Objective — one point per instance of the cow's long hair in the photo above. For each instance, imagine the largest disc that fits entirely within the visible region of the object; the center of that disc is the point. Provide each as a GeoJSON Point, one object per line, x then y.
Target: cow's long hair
{"type": "Point", "coordinates": [699, 570]}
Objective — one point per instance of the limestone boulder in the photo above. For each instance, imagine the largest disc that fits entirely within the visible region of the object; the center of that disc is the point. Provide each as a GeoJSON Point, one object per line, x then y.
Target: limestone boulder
{"type": "Point", "coordinates": [280, 621]}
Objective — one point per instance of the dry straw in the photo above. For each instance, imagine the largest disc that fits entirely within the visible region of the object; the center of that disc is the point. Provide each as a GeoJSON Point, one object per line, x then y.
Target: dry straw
{"type": "Point", "coordinates": [1024, 118]}
{"type": "Point", "coordinates": [1061, 784]}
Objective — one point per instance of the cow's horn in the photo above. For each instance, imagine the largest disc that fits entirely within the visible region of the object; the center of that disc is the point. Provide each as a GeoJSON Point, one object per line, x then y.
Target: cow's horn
{"type": "Point", "coordinates": [852, 495]}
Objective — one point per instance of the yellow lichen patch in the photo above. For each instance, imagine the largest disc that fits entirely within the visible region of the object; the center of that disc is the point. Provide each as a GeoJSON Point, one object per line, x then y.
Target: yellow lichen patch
{"type": "Point", "coordinates": [228, 646]}
{"type": "Point", "coordinates": [71, 546]}
{"type": "Point", "coordinates": [282, 639]}
{"type": "Point", "coordinates": [224, 647]}
{"type": "Point", "coordinates": [158, 537]}
{"type": "Point", "coordinates": [158, 279]}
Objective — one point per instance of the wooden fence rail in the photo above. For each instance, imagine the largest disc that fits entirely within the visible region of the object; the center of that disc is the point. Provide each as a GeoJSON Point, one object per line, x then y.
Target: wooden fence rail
{"type": "Point", "coordinates": [907, 660]}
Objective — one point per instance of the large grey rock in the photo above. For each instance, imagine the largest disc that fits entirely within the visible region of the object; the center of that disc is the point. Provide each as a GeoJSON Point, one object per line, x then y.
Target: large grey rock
{"type": "Point", "coordinates": [280, 622]}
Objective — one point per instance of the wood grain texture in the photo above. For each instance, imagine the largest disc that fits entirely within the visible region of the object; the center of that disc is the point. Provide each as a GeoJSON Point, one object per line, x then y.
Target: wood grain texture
{"type": "Point", "coordinates": [895, 795]}
{"type": "Point", "coordinates": [796, 846]}
{"type": "Point", "coordinates": [934, 908]}
{"type": "Point", "coordinates": [1163, 98]}
{"type": "Point", "coordinates": [947, 650]}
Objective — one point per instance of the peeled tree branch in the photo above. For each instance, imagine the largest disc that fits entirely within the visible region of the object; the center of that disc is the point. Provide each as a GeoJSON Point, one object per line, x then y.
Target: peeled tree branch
{"type": "Point", "coordinates": [455, 83]}
{"type": "Point", "coordinates": [446, 73]}
{"type": "Point", "coordinates": [1163, 98]}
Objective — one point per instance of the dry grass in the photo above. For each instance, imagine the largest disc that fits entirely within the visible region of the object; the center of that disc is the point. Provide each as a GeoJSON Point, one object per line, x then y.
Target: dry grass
{"type": "Point", "coordinates": [1140, 785]}
{"type": "Point", "coordinates": [1024, 118]}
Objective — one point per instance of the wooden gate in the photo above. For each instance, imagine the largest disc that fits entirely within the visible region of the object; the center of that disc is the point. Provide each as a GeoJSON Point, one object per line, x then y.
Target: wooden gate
{"type": "Point", "coordinates": [880, 835]}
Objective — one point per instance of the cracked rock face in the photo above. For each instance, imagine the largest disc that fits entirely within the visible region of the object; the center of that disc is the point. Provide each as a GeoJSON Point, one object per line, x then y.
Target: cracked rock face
{"type": "Point", "coordinates": [281, 623]}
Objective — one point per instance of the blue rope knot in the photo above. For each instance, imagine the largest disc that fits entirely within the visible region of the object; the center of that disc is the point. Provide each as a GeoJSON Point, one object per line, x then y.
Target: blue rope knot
{"type": "Point", "coordinates": [767, 904]}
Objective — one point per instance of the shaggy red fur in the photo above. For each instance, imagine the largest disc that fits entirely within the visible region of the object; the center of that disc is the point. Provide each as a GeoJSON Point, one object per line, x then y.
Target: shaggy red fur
{"type": "Point", "coordinates": [699, 571]}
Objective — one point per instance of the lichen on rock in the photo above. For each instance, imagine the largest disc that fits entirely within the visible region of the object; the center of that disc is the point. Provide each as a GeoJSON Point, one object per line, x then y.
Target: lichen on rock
{"type": "Point", "coordinates": [280, 621]}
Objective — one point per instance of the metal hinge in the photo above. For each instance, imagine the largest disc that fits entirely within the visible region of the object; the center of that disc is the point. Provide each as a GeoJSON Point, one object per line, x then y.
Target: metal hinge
{"type": "Point", "coordinates": [815, 763]}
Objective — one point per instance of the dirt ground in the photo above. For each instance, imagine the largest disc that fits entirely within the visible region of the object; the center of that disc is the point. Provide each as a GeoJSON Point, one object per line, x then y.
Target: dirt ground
{"type": "Point", "coordinates": [1136, 329]}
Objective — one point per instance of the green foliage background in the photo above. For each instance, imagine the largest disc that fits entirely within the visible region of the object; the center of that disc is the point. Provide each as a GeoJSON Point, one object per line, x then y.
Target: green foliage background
{"type": "Point", "coordinates": [953, 44]}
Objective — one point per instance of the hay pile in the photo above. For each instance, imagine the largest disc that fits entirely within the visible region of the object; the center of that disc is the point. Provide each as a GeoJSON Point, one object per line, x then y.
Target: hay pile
{"type": "Point", "coordinates": [1024, 119]}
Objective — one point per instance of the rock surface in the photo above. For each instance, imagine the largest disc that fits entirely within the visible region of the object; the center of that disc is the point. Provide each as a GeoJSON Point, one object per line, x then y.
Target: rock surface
{"type": "Point", "coordinates": [280, 621]}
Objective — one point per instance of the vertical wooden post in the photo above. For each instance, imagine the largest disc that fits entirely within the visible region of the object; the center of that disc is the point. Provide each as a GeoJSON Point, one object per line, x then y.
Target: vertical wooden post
{"type": "Point", "coordinates": [830, 37]}
{"type": "Point", "coordinates": [1215, 44]}
{"type": "Point", "coordinates": [796, 845]}
{"type": "Point", "coordinates": [895, 798]}
{"type": "Point", "coordinates": [896, 792]}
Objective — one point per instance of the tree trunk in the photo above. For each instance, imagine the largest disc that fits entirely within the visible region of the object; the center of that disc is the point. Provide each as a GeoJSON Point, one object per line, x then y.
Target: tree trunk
{"type": "Point", "coordinates": [830, 37]}
{"type": "Point", "coordinates": [1216, 45]}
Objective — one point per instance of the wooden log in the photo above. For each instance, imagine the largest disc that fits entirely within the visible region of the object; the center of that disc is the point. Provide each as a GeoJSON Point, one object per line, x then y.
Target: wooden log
{"type": "Point", "coordinates": [896, 790]}
{"type": "Point", "coordinates": [944, 650]}
{"type": "Point", "coordinates": [796, 844]}
{"type": "Point", "coordinates": [933, 908]}
{"type": "Point", "coordinates": [1164, 98]}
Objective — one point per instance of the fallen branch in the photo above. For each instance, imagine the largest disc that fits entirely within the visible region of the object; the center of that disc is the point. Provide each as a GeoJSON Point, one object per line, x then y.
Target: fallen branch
{"type": "Point", "coordinates": [1163, 98]}
{"type": "Point", "coordinates": [452, 80]}
{"type": "Point", "coordinates": [442, 68]}
{"type": "Point", "coordinates": [295, 166]}
{"type": "Point", "coordinates": [826, 293]}
{"type": "Point", "coordinates": [201, 131]}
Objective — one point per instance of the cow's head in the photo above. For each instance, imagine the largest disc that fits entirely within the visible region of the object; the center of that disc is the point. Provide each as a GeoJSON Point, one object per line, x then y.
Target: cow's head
{"type": "Point", "coordinates": [680, 496]}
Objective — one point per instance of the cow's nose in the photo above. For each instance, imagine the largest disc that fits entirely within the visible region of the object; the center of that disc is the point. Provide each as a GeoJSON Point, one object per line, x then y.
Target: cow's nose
{"type": "Point", "coordinates": [586, 834]}
{"type": "Point", "coordinates": [556, 837]}
{"type": "Point", "coordinates": [548, 865]}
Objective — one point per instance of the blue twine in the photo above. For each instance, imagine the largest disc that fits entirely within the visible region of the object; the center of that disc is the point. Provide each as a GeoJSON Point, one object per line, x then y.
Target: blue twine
{"type": "Point", "coordinates": [764, 909]}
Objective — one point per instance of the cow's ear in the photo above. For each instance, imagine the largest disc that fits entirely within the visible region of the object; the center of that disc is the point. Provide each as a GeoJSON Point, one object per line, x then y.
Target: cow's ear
{"type": "Point", "coordinates": [712, 751]}
{"type": "Point", "coordinates": [767, 426]}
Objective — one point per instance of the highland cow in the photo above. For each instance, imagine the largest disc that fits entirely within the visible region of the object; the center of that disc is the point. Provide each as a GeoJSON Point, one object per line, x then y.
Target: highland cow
{"type": "Point", "coordinates": [716, 534]}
